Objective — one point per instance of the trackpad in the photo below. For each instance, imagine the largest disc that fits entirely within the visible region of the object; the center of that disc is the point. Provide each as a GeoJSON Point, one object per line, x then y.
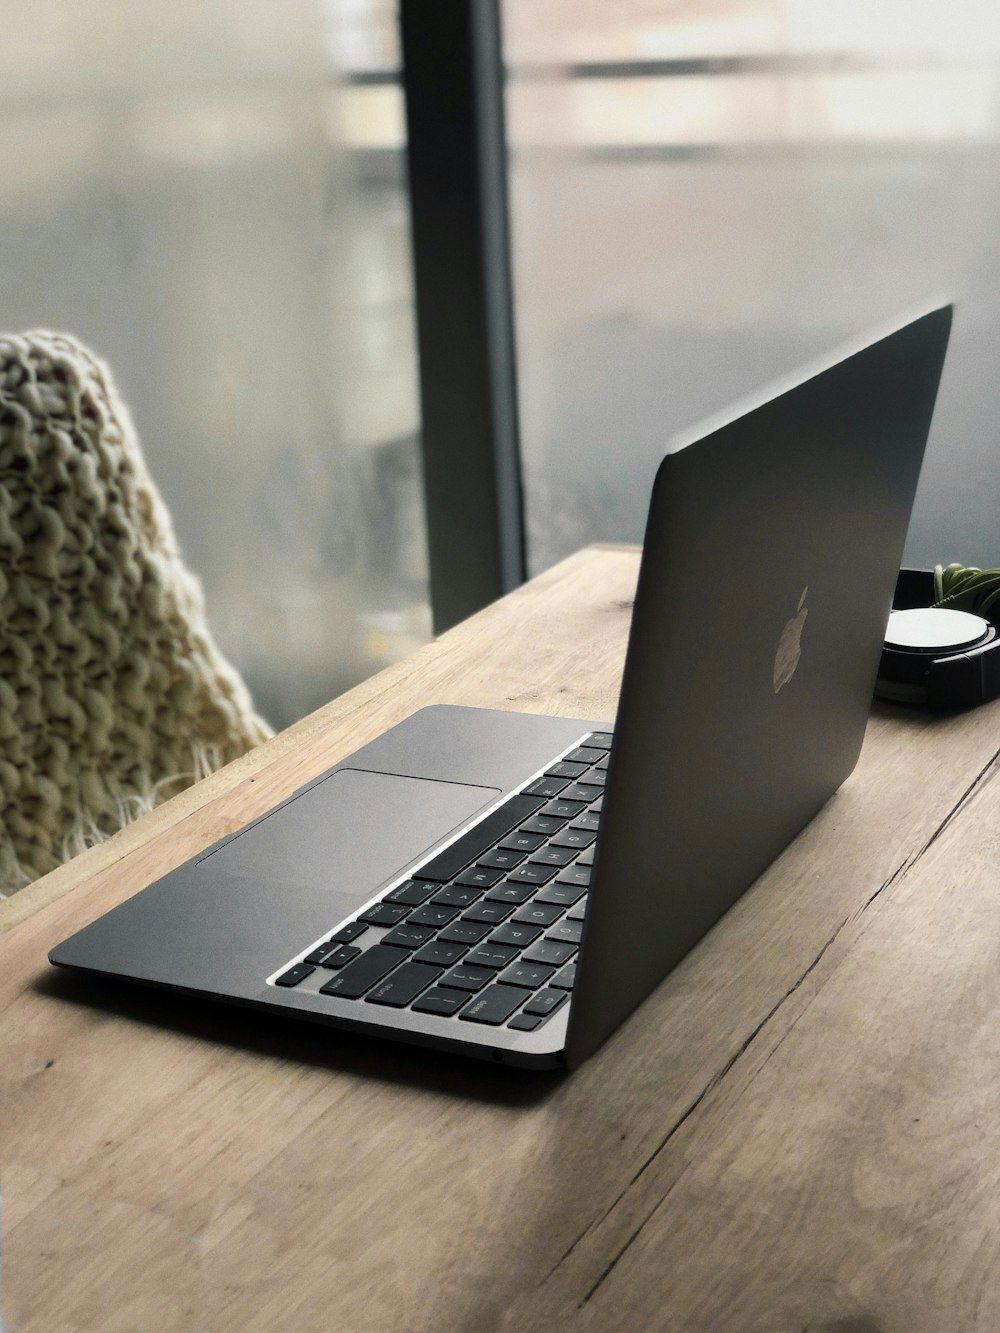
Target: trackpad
{"type": "Point", "coordinates": [349, 833]}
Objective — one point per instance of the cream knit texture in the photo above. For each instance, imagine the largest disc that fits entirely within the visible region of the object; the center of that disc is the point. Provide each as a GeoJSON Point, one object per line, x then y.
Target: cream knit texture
{"type": "Point", "coordinates": [113, 694]}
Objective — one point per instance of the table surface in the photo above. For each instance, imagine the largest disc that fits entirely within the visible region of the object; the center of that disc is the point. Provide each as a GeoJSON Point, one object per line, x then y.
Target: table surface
{"type": "Point", "coordinates": [798, 1130]}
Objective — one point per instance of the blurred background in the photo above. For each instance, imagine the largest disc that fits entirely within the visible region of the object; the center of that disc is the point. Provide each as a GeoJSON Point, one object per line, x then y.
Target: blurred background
{"type": "Point", "coordinates": [703, 195]}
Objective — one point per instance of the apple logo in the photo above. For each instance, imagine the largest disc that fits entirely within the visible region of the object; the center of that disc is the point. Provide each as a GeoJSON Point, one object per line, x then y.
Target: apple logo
{"type": "Point", "coordinates": [786, 659]}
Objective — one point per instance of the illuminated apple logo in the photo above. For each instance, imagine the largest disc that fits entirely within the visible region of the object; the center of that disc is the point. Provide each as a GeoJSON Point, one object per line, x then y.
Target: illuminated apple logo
{"type": "Point", "coordinates": [786, 659]}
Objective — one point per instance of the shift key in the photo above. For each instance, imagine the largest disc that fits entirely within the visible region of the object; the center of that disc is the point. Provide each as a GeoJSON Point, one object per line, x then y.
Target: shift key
{"type": "Point", "coordinates": [353, 980]}
{"type": "Point", "coordinates": [404, 985]}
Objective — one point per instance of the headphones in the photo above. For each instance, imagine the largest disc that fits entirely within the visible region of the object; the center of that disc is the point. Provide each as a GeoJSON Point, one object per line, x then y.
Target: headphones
{"type": "Point", "coordinates": [942, 642]}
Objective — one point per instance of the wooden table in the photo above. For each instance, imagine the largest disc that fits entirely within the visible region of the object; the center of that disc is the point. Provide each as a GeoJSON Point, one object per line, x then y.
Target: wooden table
{"type": "Point", "coordinates": [798, 1130]}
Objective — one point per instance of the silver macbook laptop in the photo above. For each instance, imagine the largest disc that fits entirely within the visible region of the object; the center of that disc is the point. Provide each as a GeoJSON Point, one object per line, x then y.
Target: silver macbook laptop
{"type": "Point", "coordinates": [512, 886]}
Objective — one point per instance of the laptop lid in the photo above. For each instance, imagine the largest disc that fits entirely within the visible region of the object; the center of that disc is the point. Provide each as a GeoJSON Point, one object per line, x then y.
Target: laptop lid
{"type": "Point", "coordinates": [771, 552]}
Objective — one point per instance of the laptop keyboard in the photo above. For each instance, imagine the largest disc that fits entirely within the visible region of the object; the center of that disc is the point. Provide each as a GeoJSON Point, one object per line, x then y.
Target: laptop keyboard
{"type": "Point", "coordinates": [487, 930]}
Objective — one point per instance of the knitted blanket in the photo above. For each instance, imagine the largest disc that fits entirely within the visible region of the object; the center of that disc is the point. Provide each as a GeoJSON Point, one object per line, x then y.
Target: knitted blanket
{"type": "Point", "coordinates": [113, 694]}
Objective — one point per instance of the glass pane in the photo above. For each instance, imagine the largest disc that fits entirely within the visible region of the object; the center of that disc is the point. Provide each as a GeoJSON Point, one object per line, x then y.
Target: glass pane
{"type": "Point", "coordinates": [706, 196]}
{"type": "Point", "coordinates": [213, 197]}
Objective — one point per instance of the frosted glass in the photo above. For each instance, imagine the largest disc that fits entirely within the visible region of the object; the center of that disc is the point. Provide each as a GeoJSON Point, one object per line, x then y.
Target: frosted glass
{"type": "Point", "coordinates": [791, 173]}
{"type": "Point", "coordinates": [196, 191]}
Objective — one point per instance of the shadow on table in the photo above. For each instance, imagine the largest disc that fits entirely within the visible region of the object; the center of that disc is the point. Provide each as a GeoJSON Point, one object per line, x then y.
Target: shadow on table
{"type": "Point", "coordinates": [303, 1043]}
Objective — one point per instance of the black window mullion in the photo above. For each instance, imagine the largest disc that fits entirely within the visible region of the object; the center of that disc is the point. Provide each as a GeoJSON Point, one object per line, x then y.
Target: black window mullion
{"type": "Point", "coordinates": [456, 145]}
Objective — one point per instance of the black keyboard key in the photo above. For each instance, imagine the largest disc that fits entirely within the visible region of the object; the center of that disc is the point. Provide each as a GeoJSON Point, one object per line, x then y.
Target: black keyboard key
{"type": "Point", "coordinates": [597, 806]}
{"type": "Point", "coordinates": [586, 858]}
{"type": "Point", "coordinates": [530, 873]}
{"type": "Point", "coordinates": [432, 914]}
{"type": "Point", "coordinates": [464, 977]}
{"type": "Point", "coordinates": [528, 975]}
{"type": "Point", "coordinates": [489, 911]}
{"type": "Point", "coordinates": [582, 791]}
{"type": "Point", "coordinates": [349, 932]}
{"type": "Point", "coordinates": [586, 754]}
{"type": "Point", "coordinates": [587, 821]}
{"type": "Point", "coordinates": [552, 856]}
{"type": "Point", "coordinates": [322, 951]}
{"type": "Point", "coordinates": [567, 931]}
{"type": "Point", "coordinates": [564, 769]}
{"type": "Point", "coordinates": [551, 952]}
{"type": "Point", "coordinates": [522, 841]}
{"type": "Point", "coordinates": [404, 985]}
{"type": "Point", "coordinates": [464, 850]}
{"type": "Point", "coordinates": [580, 838]}
{"type": "Point", "coordinates": [384, 914]}
{"type": "Point", "coordinates": [440, 955]}
{"type": "Point", "coordinates": [577, 913]}
{"type": "Point", "coordinates": [558, 892]}
{"type": "Point", "coordinates": [566, 978]}
{"type": "Point", "coordinates": [545, 1002]}
{"type": "Point", "coordinates": [597, 777]}
{"type": "Point", "coordinates": [408, 936]}
{"type": "Point", "coordinates": [437, 1001]}
{"type": "Point", "coordinates": [524, 1022]}
{"type": "Point", "coordinates": [539, 914]}
{"type": "Point", "coordinates": [502, 858]}
{"type": "Point", "coordinates": [545, 786]}
{"type": "Point", "coordinates": [602, 765]}
{"type": "Point", "coordinates": [412, 892]}
{"type": "Point", "coordinates": [352, 981]}
{"type": "Point", "coordinates": [542, 826]}
{"type": "Point", "coordinates": [340, 955]}
{"type": "Point", "coordinates": [510, 893]}
{"type": "Point", "coordinates": [493, 1005]}
{"type": "Point", "coordinates": [516, 933]}
{"type": "Point", "coordinates": [294, 975]}
{"type": "Point", "coordinates": [579, 875]}
{"type": "Point", "coordinates": [600, 740]}
{"type": "Point", "coordinates": [464, 932]}
{"type": "Point", "coordinates": [489, 954]}
{"type": "Point", "coordinates": [564, 809]}
{"type": "Point", "coordinates": [481, 877]}
{"type": "Point", "coordinates": [456, 895]}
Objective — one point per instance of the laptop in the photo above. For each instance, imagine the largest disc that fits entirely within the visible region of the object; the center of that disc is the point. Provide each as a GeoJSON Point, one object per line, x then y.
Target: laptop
{"type": "Point", "coordinates": [512, 886]}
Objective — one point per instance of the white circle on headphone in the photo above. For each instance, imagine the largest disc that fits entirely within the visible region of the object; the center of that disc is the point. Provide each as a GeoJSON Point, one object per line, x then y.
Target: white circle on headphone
{"type": "Point", "coordinates": [926, 628]}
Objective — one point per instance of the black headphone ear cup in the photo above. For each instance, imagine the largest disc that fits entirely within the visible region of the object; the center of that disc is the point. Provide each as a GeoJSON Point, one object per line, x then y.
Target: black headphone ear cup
{"type": "Point", "coordinates": [935, 657]}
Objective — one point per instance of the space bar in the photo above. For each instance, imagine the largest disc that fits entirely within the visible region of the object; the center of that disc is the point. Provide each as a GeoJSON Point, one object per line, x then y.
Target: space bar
{"type": "Point", "coordinates": [465, 849]}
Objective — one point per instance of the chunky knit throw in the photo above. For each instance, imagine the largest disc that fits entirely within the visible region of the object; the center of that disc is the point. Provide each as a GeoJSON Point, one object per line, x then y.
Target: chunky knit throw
{"type": "Point", "coordinates": [113, 694]}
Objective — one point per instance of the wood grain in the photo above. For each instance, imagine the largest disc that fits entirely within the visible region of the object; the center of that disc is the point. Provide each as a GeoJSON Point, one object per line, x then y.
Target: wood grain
{"type": "Point", "coordinates": [797, 1130]}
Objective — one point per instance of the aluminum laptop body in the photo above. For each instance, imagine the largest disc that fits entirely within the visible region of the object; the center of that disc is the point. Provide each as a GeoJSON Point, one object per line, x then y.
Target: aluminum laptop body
{"type": "Point", "coordinates": [771, 551]}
